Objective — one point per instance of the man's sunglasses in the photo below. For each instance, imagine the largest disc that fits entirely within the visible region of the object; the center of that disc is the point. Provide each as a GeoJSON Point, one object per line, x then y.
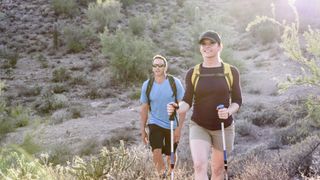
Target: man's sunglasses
{"type": "Point", "coordinates": [158, 65]}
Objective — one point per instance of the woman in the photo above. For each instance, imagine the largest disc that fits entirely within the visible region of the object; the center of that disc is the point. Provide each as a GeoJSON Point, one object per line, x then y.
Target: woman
{"type": "Point", "coordinates": [207, 86]}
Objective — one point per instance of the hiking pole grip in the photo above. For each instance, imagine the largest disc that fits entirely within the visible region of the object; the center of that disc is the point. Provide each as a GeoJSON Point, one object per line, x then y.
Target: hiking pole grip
{"type": "Point", "coordinates": [171, 118]}
{"type": "Point", "coordinates": [221, 106]}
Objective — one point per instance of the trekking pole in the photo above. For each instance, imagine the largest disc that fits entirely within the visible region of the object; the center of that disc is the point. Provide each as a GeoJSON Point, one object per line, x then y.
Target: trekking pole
{"type": "Point", "coordinates": [172, 143]}
{"type": "Point", "coordinates": [221, 106]}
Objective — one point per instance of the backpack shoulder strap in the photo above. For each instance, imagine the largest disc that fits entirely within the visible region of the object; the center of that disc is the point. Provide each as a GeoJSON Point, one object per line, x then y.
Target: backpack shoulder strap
{"type": "Point", "coordinates": [173, 86]}
{"type": "Point", "coordinates": [195, 76]}
{"type": "Point", "coordinates": [228, 75]}
{"type": "Point", "coordinates": [149, 87]}
{"type": "Point", "coordinates": [174, 90]}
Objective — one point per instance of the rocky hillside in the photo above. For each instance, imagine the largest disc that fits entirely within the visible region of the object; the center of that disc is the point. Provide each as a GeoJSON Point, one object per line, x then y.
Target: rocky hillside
{"type": "Point", "coordinates": [64, 91]}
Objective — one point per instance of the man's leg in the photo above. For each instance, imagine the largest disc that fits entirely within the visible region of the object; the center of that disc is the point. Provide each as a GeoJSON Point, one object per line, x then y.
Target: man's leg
{"type": "Point", "coordinates": [158, 160]}
{"type": "Point", "coordinates": [156, 138]}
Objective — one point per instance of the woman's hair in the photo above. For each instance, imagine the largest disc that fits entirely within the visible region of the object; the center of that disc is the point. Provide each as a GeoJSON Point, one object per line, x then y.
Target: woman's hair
{"type": "Point", "coordinates": [162, 58]}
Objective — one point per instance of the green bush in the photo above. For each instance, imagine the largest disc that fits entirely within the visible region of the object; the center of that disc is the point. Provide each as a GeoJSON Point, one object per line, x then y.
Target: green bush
{"type": "Point", "coordinates": [180, 3]}
{"type": "Point", "coordinates": [61, 75]}
{"type": "Point", "coordinates": [103, 13]}
{"type": "Point", "coordinates": [266, 33]}
{"type": "Point", "coordinates": [10, 58]}
{"type": "Point", "coordinates": [49, 102]}
{"type": "Point", "coordinates": [294, 133]}
{"type": "Point", "coordinates": [126, 3]}
{"type": "Point", "coordinates": [29, 145]}
{"type": "Point", "coordinates": [67, 7]}
{"type": "Point", "coordinates": [20, 116]}
{"type": "Point", "coordinates": [227, 55]}
{"type": "Point", "coordinates": [60, 154]}
{"type": "Point", "coordinates": [137, 25]}
{"type": "Point", "coordinates": [130, 56]}
{"type": "Point", "coordinates": [76, 38]}
{"type": "Point", "coordinates": [313, 109]}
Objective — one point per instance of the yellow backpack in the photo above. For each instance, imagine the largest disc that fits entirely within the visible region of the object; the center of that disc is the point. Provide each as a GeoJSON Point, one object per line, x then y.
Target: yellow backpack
{"type": "Point", "coordinates": [226, 73]}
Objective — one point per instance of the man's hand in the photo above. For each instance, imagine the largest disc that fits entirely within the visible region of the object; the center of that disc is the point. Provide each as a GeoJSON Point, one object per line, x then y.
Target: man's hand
{"type": "Point", "coordinates": [171, 107]}
{"type": "Point", "coordinates": [144, 136]}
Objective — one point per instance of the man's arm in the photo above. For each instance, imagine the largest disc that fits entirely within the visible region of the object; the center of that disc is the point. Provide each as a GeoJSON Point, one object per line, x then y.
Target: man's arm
{"type": "Point", "coordinates": [143, 120]}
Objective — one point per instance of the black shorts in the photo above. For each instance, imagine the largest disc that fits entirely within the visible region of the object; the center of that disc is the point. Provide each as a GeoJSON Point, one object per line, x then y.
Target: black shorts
{"type": "Point", "coordinates": [160, 139]}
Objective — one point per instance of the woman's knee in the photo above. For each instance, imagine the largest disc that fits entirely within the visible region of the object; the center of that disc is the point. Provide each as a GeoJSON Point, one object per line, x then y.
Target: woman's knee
{"type": "Point", "coordinates": [200, 165]}
{"type": "Point", "coordinates": [218, 169]}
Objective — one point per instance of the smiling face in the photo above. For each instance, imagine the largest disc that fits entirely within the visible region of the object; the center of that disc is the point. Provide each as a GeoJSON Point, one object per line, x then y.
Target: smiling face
{"type": "Point", "coordinates": [209, 48]}
{"type": "Point", "coordinates": [159, 67]}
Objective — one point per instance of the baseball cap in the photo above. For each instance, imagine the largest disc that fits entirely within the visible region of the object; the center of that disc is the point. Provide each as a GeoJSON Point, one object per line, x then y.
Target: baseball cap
{"type": "Point", "coordinates": [211, 35]}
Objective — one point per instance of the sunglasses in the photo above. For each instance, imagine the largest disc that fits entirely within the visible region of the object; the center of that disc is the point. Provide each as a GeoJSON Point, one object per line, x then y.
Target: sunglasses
{"type": "Point", "coordinates": [158, 65]}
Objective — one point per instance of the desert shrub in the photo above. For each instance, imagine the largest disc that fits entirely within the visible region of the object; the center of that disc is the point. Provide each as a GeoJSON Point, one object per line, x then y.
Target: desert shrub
{"type": "Point", "coordinates": [298, 157]}
{"type": "Point", "coordinates": [313, 109]}
{"type": "Point", "coordinates": [85, 2]}
{"type": "Point", "coordinates": [180, 3]}
{"type": "Point", "coordinates": [255, 168]}
{"type": "Point", "coordinates": [154, 23]}
{"type": "Point", "coordinates": [245, 128]}
{"type": "Point", "coordinates": [12, 118]}
{"type": "Point", "coordinates": [59, 88]}
{"type": "Point", "coordinates": [20, 116]}
{"type": "Point", "coordinates": [89, 147]}
{"type": "Point", "coordinates": [61, 75]}
{"type": "Point", "coordinates": [104, 13]}
{"type": "Point", "coordinates": [67, 7]}
{"type": "Point", "coordinates": [294, 133]}
{"type": "Point", "coordinates": [137, 25]}
{"type": "Point", "coordinates": [267, 117]}
{"type": "Point", "coordinates": [42, 60]}
{"type": "Point", "coordinates": [76, 38]}
{"type": "Point", "coordinates": [254, 91]}
{"type": "Point", "coordinates": [126, 3]}
{"type": "Point", "coordinates": [79, 79]}
{"type": "Point", "coordinates": [135, 94]}
{"type": "Point", "coordinates": [60, 154]}
{"type": "Point", "coordinates": [59, 116]}
{"type": "Point", "coordinates": [124, 134]}
{"type": "Point", "coordinates": [17, 164]}
{"type": "Point", "coordinates": [95, 64]}
{"type": "Point", "coordinates": [48, 102]}
{"type": "Point", "coordinates": [130, 56]}
{"type": "Point", "coordinates": [29, 90]}
{"type": "Point", "coordinates": [292, 46]}
{"type": "Point", "coordinates": [10, 58]}
{"type": "Point", "coordinates": [266, 33]}
{"type": "Point", "coordinates": [29, 145]}
{"type": "Point", "coordinates": [76, 111]}
{"type": "Point", "coordinates": [228, 56]}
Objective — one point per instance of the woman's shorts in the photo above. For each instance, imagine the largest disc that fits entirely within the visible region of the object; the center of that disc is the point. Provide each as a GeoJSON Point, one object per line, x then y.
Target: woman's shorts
{"type": "Point", "coordinates": [214, 137]}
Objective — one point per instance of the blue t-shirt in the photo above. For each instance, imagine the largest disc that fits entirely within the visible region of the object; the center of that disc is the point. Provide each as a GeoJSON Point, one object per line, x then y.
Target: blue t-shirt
{"type": "Point", "coordinates": [160, 96]}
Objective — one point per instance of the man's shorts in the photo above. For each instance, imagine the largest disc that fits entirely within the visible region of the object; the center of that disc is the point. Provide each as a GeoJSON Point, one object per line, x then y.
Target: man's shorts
{"type": "Point", "coordinates": [214, 137]}
{"type": "Point", "coordinates": [160, 139]}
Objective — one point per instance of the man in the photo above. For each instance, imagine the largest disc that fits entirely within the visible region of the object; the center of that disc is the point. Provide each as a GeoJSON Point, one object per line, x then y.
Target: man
{"type": "Point", "coordinates": [156, 93]}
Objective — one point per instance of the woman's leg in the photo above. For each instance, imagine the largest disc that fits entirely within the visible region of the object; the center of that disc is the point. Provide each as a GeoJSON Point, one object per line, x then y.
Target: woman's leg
{"type": "Point", "coordinates": [217, 156]}
{"type": "Point", "coordinates": [200, 153]}
{"type": "Point", "coordinates": [217, 164]}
